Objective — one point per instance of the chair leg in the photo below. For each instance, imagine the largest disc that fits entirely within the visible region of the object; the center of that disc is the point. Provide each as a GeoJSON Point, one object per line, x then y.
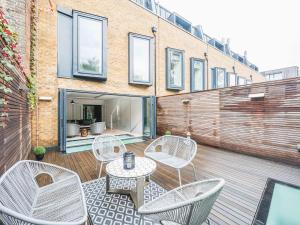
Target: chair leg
{"type": "Point", "coordinates": [195, 175]}
{"type": "Point", "coordinates": [208, 221]}
{"type": "Point", "coordinates": [100, 170]}
{"type": "Point", "coordinates": [179, 177]}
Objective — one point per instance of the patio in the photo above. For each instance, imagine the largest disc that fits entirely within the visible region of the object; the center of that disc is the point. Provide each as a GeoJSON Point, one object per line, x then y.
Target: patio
{"type": "Point", "coordinates": [245, 177]}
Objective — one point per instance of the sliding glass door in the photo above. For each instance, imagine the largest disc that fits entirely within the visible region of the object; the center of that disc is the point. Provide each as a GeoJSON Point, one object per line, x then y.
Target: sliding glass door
{"type": "Point", "coordinates": [62, 119]}
{"type": "Point", "coordinates": [149, 117]}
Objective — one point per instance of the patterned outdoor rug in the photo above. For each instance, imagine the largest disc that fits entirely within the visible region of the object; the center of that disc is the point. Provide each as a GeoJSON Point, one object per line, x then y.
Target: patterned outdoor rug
{"type": "Point", "coordinates": [116, 209]}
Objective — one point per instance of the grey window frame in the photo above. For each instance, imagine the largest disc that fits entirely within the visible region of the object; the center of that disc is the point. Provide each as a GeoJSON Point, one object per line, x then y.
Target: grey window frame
{"type": "Point", "coordinates": [215, 77]}
{"type": "Point", "coordinates": [192, 71]}
{"type": "Point", "coordinates": [228, 79]}
{"type": "Point", "coordinates": [64, 69]}
{"type": "Point", "coordinates": [241, 77]}
{"type": "Point", "coordinates": [131, 80]}
{"type": "Point", "coordinates": [76, 72]}
{"type": "Point", "coordinates": [170, 87]}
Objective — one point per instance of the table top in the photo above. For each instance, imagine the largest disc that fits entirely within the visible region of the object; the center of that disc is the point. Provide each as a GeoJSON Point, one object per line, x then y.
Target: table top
{"type": "Point", "coordinates": [143, 167]}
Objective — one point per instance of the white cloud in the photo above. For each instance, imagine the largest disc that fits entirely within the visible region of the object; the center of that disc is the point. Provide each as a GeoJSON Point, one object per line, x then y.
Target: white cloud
{"type": "Point", "coordinates": [268, 29]}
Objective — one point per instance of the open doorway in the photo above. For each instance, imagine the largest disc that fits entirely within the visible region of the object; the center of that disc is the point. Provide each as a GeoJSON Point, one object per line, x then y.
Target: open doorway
{"type": "Point", "coordinates": [85, 115]}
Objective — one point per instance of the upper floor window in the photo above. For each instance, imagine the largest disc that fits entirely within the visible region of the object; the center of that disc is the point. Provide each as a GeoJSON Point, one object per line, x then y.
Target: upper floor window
{"type": "Point", "coordinates": [275, 76]}
{"type": "Point", "coordinates": [81, 44]}
{"type": "Point", "coordinates": [89, 44]}
{"type": "Point", "coordinates": [218, 77]}
{"type": "Point", "coordinates": [141, 59]}
{"type": "Point", "coordinates": [241, 80]}
{"type": "Point", "coordinates": [232, 79]}
{"type": "Point", "coordinates": [197, 74]}
{"type": "Point", "coordinates": [175, 69]}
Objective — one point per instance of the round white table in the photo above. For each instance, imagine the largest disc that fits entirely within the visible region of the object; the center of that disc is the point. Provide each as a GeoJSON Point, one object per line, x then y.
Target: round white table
{"type": "Point", "coordinates": [144, 167]}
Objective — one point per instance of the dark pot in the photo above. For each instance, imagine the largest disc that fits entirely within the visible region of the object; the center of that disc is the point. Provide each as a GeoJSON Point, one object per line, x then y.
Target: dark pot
{"type": "Point", "coordinates": [39, 157]}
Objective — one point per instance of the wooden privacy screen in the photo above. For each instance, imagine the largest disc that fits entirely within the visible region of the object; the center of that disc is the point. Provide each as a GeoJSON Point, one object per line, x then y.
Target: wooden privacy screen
{"type": "Point", "coordinates": [267, 127]}
{"type": "Point", "coordinates": [15, 140]}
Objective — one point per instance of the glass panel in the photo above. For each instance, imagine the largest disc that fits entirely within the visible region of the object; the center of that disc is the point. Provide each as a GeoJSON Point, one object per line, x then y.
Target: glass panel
{"type": "Point", "coordinates": [141, 59]}
{"type": "Point", "coordinates": [276, 76]}
{"type": "Point", "coordinates": [220, 78]}
{"type": "Point", "coordinates": [176, 69]}
{"type": "Point", "coordinates": [232, 79]}
{"type": "Point", "coordinates": [147, 116]}
{"type": "Point", "coordinates": [198, 75]}
{"type": "Point", "coordinates": [89, 45]}
{"type": "Point", "coordinates": [242, 81]}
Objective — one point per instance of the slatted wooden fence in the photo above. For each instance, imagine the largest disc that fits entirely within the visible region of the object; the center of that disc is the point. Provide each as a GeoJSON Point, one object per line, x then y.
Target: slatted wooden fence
{"type": "Point", "coordinates": [15, 139]}
{"type": "Point", "coordinates": [268, 127]}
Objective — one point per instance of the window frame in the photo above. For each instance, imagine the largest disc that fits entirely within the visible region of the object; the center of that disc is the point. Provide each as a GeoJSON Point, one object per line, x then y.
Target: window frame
{"type": "Point", "coordinates": [103, 74]}
{"type": "Point", "coordinates": [131, 80]}
{"type": "Point", "coordinates": [241, 77]}
{"type": "Point", "coordinates": [170, 87]}
{"type": "Point", "coordinates": [215, 77]}
{"type": "Point", "coordinates": [192, 74]}
{"type": "Point", "coordinates": [228, 79]}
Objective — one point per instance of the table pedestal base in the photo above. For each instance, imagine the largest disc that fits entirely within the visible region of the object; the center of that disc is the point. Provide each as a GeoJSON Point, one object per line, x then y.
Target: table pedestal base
{"type": "Point", "coordinates": [137, 194]}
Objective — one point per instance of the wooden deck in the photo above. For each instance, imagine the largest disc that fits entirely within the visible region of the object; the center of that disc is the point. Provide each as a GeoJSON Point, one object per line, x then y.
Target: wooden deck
{"type": "Point", "coordinates": [245, 177]}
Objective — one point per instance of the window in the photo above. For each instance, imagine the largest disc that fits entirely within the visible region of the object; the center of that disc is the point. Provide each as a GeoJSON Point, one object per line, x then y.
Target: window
{"type": "Point", "coordinates": [248, 81]}
{"type": "Point", "coordinates": [175, 69]}
{"type": "Point", "coordinates": [241, 80]}
{"type": "Point", "coordinates": [232, 79]}
{"type": "Point", "coordinates": [197, 74]}
{"type": "Point", "coordinates": [218, 77]}
{"type": "Point", "coordinates": [89, 45]}
{"type": "Point", "coordinates": [141, 59]}
{"type": "Point", "coordinates": [275, 76]}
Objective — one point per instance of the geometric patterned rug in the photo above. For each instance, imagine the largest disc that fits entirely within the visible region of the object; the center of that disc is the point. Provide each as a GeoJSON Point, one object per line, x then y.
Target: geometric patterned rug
{"type": "Point", "coordinates": [116, 209]}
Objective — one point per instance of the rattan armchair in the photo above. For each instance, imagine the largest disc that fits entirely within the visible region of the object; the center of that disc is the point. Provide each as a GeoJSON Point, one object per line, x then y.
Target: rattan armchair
{"type": "Point", "coordinates": [174, 151]}
{"type": "Point", "coordinates": [24, 202]}
{"type": "Point", "coordinates": [186, 205]}
{"type": "Point", "coordinates": [107, 148]}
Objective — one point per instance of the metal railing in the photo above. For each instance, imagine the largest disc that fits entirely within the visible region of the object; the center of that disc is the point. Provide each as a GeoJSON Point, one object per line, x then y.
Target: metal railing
{"type": "Point", "coordinates": [166, 15]}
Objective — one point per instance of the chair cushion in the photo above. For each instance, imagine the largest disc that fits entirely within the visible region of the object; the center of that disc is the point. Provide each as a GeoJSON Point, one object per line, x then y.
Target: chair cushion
{"type": "Point", "coordinates": [60, 202]}
{"type": "Point", "coordinates": [167, 159]}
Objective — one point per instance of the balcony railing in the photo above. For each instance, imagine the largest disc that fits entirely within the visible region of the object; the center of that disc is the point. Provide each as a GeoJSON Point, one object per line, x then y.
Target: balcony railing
{"type": "Point", "coordinates": [196, 31]}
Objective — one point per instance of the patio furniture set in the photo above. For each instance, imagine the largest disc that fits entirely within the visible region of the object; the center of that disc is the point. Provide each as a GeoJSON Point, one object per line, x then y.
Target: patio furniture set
{"type": "Point", "coordinates": [74, 129]}
{"type": "Point", "coordinates": [62, 202]}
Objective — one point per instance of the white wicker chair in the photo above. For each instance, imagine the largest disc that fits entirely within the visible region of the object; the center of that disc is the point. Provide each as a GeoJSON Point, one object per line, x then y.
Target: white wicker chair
{"type": "Point", "coordinates": [186, 205]}
{"type": "Point", "coordinates": [107, 148]}
{"type": "Point", "coordinates": [174, 151]}
{"type": "Point", "coordinates": [23, 202]}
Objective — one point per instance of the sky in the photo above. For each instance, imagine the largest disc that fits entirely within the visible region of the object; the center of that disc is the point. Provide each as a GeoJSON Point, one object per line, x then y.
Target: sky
{"type": "Point", "coordinates": [268, 29]}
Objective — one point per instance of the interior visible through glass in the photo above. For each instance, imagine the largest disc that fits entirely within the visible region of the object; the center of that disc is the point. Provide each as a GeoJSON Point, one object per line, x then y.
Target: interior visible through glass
{"type": "Point", "coordinates": [176, 69]}
{"type": "Point", "coordinates": [198, 75]}
{"type": "Point", "coordinates": [89, 45]}
{"type": "Point", "coordinates": [141, 59]}
{"type": "Point", "coordinates": [220, 78]}
{"type": "Point", "coordinates": [232, 79]}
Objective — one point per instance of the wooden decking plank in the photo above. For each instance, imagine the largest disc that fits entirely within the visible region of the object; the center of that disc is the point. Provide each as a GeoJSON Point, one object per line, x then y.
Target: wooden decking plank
{"type": "Point", "coordinates": [245, 177]}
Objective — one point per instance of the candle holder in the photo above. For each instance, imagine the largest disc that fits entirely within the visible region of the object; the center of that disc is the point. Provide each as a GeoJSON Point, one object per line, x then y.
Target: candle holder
{"type": "Point", "coordinates": [128, 160]}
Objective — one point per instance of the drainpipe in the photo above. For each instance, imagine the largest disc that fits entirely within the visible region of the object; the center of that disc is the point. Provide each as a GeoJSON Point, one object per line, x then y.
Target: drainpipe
{"type": "Point", "coordinates": [207, 69]}
{"type": "Point", "coordinates": [154, 30]}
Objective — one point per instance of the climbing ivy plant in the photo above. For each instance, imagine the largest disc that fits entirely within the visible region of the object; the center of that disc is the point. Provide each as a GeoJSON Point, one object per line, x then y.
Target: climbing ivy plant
{"type": "Point", "coordinates": [32, 94]}
{"type": "Point", "coordinates": [8, 56]}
